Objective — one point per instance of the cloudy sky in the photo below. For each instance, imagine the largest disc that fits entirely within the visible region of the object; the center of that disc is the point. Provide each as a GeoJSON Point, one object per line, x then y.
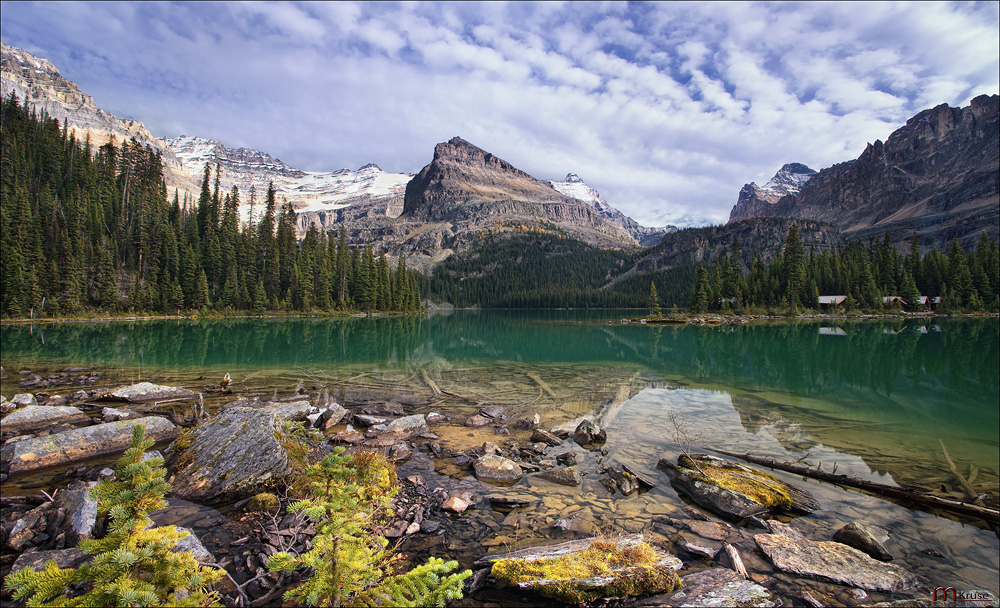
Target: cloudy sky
{"type": "Point", "coordinates": [666, 108]}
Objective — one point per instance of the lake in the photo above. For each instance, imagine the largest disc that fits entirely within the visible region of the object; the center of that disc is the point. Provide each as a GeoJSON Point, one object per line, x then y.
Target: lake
{"type": "Point", "coordinates": [883, 400]}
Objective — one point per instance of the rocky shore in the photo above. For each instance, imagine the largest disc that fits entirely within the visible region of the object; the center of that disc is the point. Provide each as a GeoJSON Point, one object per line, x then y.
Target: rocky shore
{"type": "Point", "coordinates": [492, 488]}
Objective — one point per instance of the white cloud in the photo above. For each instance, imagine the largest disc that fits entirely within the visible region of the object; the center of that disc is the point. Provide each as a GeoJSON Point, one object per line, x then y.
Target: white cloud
{"type": "Point", "coordinates": [666, 108]}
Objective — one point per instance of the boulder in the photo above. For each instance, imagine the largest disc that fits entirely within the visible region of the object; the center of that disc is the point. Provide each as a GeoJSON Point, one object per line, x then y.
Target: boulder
{"type": "Point", "coordinates": [192, 543]}
{"type": "Point", "coordinates": [37, 416]}
{"type": "Point", "coordinates": [455, 504]}
{"type": "Point", "coordinates": [80, 444]}
{"type": "Point", "coordinates": [588, 433]}
{"type": "Point", "coordinates": [81, 511]}
{"type": "Point", "coordinates": [478, 420]}
{"type": "Point", "coordinates": [865, 537]}
{"type": "Point", "coordinates": [583, 571]}
{"type": "Point", "coordinates": [408, 426]}
{"type": "Point", "coordinates": [734, 490]}
{"type": "Point", "coordinates": [147, 391]}
{"type": "Point", "coordinates": [834, 562]}
{"type": "Point", "coordinates": [497, 412]}
{"type": "Point", "coordinates": [111, 414]}
{"type": "Point", "coordinates": [331, 416]}
{"type": "Point", "coordinates": [497, 469]}
{"type": "Point", "coordinates": [366, 421]}
{"type": "Point", "coordinates": [567, 476]}
{"type": "Point", "coordinates": [36, 560]}
{"type": "Point", "coordinates": [716, 587]}
{"type": "Point", "coordinates": [24, 399]}
{"type": "Point", "coordinates": [237, 453]}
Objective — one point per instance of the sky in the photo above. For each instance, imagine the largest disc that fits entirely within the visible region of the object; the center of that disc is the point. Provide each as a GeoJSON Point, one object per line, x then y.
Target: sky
{"type": "Point", "coordinates": [667, 109]}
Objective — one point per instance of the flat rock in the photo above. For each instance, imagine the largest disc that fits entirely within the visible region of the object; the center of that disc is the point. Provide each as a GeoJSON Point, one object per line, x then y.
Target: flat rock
{"type": "Point", "coordinates": [865, 537]}
{"type": "Point", "coordinates": [366, 421]}
{"type": "Point", "coordinates": [778, 527]}
{"type": "Point", "coordinates": [497, 412]}
{"type": "Point", "coordinates": [834, 562]}
{"type": "Point", "coordinates": [37, 416]}
{"type": "Point", "coordinates": [497, 469]}
{"type": "Point", "coordinates": [567, 476]}
{"type": "Point", "coordinates": [80, 444]}
{"type": "Point", "coordinates": [235, 454]}
{"type": "Point", "coordinates": [111, 414]}
{"type": "Point", "coordinates": [147, 391]}
{"type": "Point", "coordinates": [505, 504]}
{"type": "Point", "coordinates": [572, 546]}
{"type": "Point", "coordinates": [685, 477]}
{"type": "Point", "coordinates": [716, 587]}
{"type": "Point", "coordinates": [455, 504]}
{"type": "Point", "coordinates": [478, 420]}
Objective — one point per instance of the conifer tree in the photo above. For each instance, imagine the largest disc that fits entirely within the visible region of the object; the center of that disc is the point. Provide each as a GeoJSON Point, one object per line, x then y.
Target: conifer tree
{"type": "Point", "coordinates": [654, 302]}
{"type": "Point", "coordinates": [134, 564]}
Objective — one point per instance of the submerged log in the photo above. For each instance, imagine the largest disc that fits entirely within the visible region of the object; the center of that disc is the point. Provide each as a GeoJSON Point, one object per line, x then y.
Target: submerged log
{"type": "Point", "coordinates": [953, 506]}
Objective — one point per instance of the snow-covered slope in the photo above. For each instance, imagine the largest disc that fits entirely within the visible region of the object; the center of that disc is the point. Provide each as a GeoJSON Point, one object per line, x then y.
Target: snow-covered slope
{"type": "Point", "coordinates": [575, 187]}
{"type": "Point", "coordinates": [306, 190]}
{"type": "Point", "coordinates": [754, 200]}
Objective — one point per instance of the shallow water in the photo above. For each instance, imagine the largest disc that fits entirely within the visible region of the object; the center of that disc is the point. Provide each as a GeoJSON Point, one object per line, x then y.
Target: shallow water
{"type": "Point", "coordinates": [882, 400]}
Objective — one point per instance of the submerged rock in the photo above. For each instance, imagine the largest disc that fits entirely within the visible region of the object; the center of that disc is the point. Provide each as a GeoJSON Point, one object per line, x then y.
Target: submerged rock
{"type": "Point", "coordinates": [588, 433]}
{"type": "Point", "coordinates": [80, 444]}
{"type": "Point", "coordinates": [147, 391]}
{"type": "Point", "coordinates": [834, 562]}
{"type": "Point", "coordinates": [583, 571]}
{"type": "Point", "coordinates": [497, 469]}
{"type": "Point", "coordinates": [734, 490]}
{"type": "Point", "coordinates": [865, 537]}
{"type": "Point", "coordinates": [567, 476]}
{"type": "Point", "coordinates": [715, 587]}
{"type": "Point", "coordinates": [237, 453]}
{"type": "Point", "coordinates": [36, 416]}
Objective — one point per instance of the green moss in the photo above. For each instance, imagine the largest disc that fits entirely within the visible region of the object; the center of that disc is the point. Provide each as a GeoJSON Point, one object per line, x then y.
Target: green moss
{"type": "Point", "coordinates": [633, 572]}
{"type": "Point", "coordinates": [265, 501]}
{"type": "Point", "coordinates": [762, 487]}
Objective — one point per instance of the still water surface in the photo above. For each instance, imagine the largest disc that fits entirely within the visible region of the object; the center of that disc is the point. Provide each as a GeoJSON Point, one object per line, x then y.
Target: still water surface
{"type": "Point", "coordinates": [879, 399]}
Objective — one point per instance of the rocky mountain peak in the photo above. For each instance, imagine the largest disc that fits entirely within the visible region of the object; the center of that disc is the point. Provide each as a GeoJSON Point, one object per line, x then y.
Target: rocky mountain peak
{"type": "Point", "coordinates": [573, 178]}
{"type": "Point", "coordinates": [754, 200]}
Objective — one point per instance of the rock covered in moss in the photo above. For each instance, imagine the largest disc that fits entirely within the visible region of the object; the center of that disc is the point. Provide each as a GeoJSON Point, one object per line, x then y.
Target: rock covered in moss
{"type": "Point", "coordinates": [734, 490]}
{"type": "Point", "coordinates": [237, 453]}
{"type": "Point", "coordinates": [583, 571]}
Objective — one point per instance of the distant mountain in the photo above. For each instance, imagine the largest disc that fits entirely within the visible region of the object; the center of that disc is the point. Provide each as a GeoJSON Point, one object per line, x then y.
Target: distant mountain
{"type": "Point", "coordinates": [472, 190]}
{"type": "Point", "coordinates": [37, 80]}
{"type": "Point", "coordinates": [755, 201]}
{"type": "Point", "coordinates": [576, 188]}
{"type": "Point", "coordinates": [317, 196]}
{"type": "Point", "coordinates": [938, 176]}
{"type": "Point", "coordinates": [313, 195]}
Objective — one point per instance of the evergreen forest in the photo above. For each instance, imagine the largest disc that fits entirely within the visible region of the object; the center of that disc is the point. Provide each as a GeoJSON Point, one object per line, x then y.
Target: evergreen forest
{"type": "Point", "coordinates": [87, 232]}
{"type": "Point", "coordinates": [83, 232]}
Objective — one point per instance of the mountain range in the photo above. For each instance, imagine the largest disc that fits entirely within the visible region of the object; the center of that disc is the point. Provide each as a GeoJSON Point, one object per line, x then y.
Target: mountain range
{"type": "Point", "coordinates": [936, 176]}
{"type": "Point", "coordinates": [360, 199]}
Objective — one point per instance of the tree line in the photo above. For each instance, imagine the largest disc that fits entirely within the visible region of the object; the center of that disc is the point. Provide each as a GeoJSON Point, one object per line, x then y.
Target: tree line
{"type": "Point", "coordinates": [794, 279]}
{"type": "Point", "coordinates": [84, 231]}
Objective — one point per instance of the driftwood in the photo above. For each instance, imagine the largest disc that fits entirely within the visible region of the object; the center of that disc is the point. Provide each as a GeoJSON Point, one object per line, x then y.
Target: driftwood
{"type": "Point", "coordinates": [954, 506]}
{"type": "Point", "coordinates": [541, 383]}
{"type": "Point", "coordinates": [734, 557]}
{"type": "Point", "coordinates": [969, 492]}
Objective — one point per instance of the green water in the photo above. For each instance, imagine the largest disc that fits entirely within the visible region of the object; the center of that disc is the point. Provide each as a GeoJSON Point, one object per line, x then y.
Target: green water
{"type": "Point", "coordinates": [882, 400]}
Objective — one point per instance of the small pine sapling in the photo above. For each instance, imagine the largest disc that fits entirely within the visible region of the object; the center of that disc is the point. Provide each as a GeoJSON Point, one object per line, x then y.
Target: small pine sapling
{"type": "Point", "coordinates": [134, 564]}
{"type": "Point", "coordinates": [348, 495]}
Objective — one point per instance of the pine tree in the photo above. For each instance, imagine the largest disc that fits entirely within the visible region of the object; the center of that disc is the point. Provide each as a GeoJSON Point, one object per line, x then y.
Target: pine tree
{"type": "Point", "coordinates": [348, 495]}
{"type": "Point", "coordinates": [134, 564]}
{"type": "Point", "coordinates": [654, 302]}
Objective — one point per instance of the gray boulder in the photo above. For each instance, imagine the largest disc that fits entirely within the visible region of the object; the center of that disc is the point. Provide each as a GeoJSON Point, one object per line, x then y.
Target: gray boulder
{"type": "Point", "coordinates": [147, 391]}
{"type": "Point", "coordinates": [37, 416]}
{"type": "Point", "coordinates": [408, 426]}
{"type": "Point", "coordinates": [834, 562]}
{"type": "Point", "coordinates": [24, 399]}
{"type": "Point", "coordinates": [192, 543]}
{"type": "Point", "coordinates": [81, 511]}
{"type": "Point", "coordinates": [497, 469]}
{"type": "Point", "coordinates": [80, 444]}
{"type": "Point", "coordinates": [36, 560]}
{"type": "Point", "coordinates": [865, 537]}
{"type": "Point", "coordinates": [235, 454]}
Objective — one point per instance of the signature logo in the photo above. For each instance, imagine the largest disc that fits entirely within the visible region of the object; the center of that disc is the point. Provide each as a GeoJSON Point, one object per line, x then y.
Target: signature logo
{"type": "Point", "coordinates": [977, 595]}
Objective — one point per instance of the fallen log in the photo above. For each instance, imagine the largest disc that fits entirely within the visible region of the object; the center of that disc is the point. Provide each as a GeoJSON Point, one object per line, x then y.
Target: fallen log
{"type": "Point", "coordinates": [954, 506]}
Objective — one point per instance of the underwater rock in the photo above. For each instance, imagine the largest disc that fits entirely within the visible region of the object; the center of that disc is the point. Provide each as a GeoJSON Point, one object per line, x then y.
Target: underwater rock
{"type": "Point", "coordinates": [834, 562]}
{"type": "Point", "coordinates": [567, 476]}
{"type": "Point", "coordinates": [497, 469]}
{"type": "Point", "coordinates": [734, 490]}
{"type": "Point", "coordinates": [712, 588]}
